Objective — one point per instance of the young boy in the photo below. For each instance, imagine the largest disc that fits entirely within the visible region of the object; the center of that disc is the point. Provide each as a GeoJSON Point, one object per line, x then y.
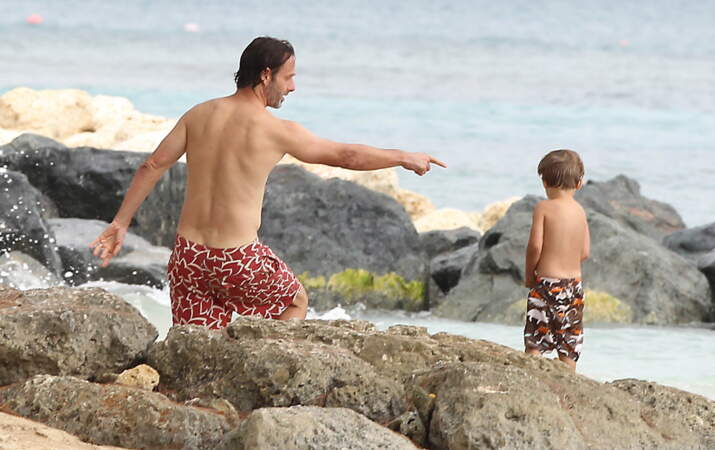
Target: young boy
{"type": "Point", "coordinates": [558, 242]}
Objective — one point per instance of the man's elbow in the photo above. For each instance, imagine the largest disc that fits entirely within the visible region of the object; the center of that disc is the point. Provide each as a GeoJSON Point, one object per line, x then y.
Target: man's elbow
{"type": "Point", "coordinates": [348, 158]}
{"type": "Point", "coordinates": [155, 165]}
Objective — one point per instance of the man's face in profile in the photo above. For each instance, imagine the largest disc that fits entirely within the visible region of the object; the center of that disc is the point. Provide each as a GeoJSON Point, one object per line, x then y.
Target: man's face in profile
{"type": "Point", "coordinates": [281, 83]}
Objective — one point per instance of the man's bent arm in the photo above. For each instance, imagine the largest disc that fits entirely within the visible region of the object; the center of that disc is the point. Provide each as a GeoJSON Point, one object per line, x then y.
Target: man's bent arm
{"type": "Point", "coordinates": [109, 242]}
{"type": "Point", "coordinates": [146, 176]}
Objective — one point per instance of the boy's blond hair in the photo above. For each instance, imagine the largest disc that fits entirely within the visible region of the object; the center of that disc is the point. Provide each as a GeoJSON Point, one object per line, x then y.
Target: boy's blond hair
{"type": "Point", "coordinates": [561, 169]}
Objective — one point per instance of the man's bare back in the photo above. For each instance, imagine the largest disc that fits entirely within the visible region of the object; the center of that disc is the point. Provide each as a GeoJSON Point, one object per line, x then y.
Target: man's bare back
{"type": "Point", "coordinates": [230, 152]}
{"type": "Point", "coordinates": [231, 146]}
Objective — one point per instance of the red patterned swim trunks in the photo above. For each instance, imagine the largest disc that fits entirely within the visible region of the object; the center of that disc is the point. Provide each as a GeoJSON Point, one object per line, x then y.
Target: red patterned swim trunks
{"type": "Point", "coordinates": [208, 284]}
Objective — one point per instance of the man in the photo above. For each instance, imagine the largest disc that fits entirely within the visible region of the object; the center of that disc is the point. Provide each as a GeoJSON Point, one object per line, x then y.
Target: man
{"type": "Point", "coordinates": [218, 266]}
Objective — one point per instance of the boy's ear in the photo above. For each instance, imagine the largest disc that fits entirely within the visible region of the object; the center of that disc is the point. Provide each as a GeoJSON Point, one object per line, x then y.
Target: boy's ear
{"type": "Point", "coordinates": [580, 184]}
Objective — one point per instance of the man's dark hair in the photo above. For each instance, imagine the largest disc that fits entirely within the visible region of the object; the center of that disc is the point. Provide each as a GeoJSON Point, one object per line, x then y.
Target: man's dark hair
{"type": "Point", "coordinates": [263, 52]}
{"type": "Point", "coordinates": [561, 169]}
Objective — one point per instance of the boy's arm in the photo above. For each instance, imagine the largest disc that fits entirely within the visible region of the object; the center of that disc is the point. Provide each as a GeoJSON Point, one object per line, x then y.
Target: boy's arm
{"type": "Point", "coordinates": [108, 244]}
{"type": "Point", "coordinates": [586, 252]}
{"type": "Point", "coordinates": [533, 248]}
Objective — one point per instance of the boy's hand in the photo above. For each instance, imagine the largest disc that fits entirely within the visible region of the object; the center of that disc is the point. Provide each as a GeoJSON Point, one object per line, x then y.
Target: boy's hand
{"type": "Point", "coordinates": [530, 282]}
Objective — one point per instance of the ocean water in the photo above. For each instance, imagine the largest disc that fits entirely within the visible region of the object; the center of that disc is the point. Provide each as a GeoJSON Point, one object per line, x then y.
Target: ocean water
{"type": "Point", "coordinates": [488, 87]}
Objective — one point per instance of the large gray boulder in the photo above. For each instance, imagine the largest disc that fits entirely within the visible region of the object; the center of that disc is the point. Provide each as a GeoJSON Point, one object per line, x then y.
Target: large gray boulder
{"type": "Point", "coordinates": [478, 405]}
{"type": "Point", "coordinates": [138, 262]}
{"type": "Point", "coordinates": [23, 226]}
{"type": "Point", "coordinates": [254, 373]}
{"type": "Point", "coordinates": [620, 199]}
{"type": "Point", "coordinates": [67, 331]}
{"type": "Point", "coordinates": [325, 227]}
{"type": "Point", "coordinates": [661, 403]}
{"type": "Point", "coordinates": [18, 433]}
{"type": "Point", "coordinates": [89, 183]}
{"type": "Point", "coordinates": [115, 415]}
{"type": "Point", "coordinates": [644, 281]}
{"type": "Point", "coordinates": [310, 427]}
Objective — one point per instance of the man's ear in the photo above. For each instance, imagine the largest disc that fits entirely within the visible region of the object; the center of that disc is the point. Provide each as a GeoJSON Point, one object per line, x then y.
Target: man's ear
{"type": "Point", "coordinates": [266, 75]}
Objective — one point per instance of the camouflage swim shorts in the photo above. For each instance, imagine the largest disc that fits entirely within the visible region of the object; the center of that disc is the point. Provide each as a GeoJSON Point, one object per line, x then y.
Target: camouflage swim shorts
{"type": "Point", "coordinates": [554, 316]}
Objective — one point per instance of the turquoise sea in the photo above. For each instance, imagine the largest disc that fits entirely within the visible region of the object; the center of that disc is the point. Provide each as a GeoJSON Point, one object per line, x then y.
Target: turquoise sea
{"type": "Point", "coordinates": [486, 86]}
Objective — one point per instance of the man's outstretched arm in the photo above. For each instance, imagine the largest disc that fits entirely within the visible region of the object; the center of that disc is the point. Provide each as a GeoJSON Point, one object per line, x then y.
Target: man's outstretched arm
{"type": "Point", "coordinates": [108, 244]}
{"type": "Point", "coordinates": [307, 147]}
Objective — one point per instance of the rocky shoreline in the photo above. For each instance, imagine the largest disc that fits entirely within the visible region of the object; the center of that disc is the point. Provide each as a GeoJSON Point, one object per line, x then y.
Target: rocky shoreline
{"type": "Point", "coordinates": [311, 384]}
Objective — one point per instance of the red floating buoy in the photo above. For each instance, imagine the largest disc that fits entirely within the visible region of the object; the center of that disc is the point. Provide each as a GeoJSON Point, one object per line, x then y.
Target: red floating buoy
{"type": "Point", "coordinates": [34, 19]}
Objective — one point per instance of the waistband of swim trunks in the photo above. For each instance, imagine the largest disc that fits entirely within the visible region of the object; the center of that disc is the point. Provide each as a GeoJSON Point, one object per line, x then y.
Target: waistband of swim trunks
{"type": "Point", "coordinates": [539, 279]}
{"type": "Point", "coordinates": [216, 249]}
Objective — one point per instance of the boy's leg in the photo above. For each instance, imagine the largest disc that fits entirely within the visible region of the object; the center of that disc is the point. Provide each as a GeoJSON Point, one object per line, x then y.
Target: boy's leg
{"type": "Point", "coordinates": [532, 351]}
{"type": "Point", "coordinates": [299, 308]}
{"type": "Point", "coordinates": [568, 361]}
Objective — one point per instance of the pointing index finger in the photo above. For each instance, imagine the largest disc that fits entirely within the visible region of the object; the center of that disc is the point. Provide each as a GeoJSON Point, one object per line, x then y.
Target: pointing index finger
{"type": "Point", "coordinates": [434, 160]}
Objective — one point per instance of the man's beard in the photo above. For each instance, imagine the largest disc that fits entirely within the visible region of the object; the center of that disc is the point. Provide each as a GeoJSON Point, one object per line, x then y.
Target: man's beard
{"type": "Point", "coordinates": [274, 96]}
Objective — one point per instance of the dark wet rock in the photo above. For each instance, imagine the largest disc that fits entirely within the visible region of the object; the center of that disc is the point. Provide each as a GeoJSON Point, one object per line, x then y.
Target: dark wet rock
{"type": "Point", "coordinates": [138, 261]}
{"type": "Point", "coordinates": [324, 227]}
{"type": "Point", "coordinates": [320, 227]}
{"type": "Point", "coordinates": [450, 251]}
{"type": "Point", "coordinates": [438, 242]}
{"type": "Point", "coordinates": [115, 415]}
{"type": "Point", "coordinates": [21, 271]}
{"type": "Point", "coordinates": [636, 271]}
{"type": "Point", "coordinates": [68, 331]}
{"type": "Point", "coordinates": [446, 271]}
{"type": "Point", "coordinates": [660, 403]}
{"type": "Point", "coordinates": [23, 227]}
{"type": "Point", "coordinates": [698, 245]}
{"type": "Point", "coordinates": [253, 373]}
{"type": "Point", "coordinates": [302, 427]}
{"type": "Point", "coordinates": [692, 242]}
{"type": "Point", "coordinates": [620, 198]}
{"type": "Point", "coordinates": [90, 183]}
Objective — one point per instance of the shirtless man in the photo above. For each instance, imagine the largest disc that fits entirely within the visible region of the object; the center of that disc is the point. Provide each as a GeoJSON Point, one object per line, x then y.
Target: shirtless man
{"type": "Point", "coordinates": [218, 266]}
{"type": "Point", "coordinates": [559, 241]}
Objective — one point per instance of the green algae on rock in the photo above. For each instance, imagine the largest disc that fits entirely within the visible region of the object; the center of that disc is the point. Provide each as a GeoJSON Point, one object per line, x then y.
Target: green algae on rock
{"type": "Point", "coordinates": [352, 286]}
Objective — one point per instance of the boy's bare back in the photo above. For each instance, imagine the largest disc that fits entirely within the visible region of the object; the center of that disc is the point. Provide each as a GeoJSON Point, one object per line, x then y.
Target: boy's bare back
{"type": "Point", "coordinates": [564, 237]}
